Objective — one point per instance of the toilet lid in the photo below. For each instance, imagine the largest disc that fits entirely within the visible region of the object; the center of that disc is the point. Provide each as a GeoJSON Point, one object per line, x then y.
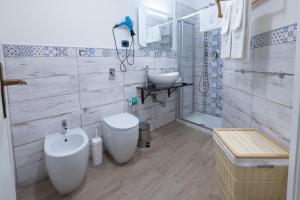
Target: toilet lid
{"type": "Point", "coordinates": [123, 121]}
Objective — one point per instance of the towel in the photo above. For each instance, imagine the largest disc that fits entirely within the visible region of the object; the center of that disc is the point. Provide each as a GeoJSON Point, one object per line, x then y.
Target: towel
{"type": "Point", "coordinates": [226, 42]}
{"type": "Point", "coordinates": [153, 34]}
{"type": "Point", "coordinates": [225, 21]}
{"type": "Point", "coordinates": [208, 19]}
{"type": "Point", "coordinates": [240, 36]}
{"type": "Point", "coordinates": [237, 12]}
{"type": "Point", "coordinates": [225, 31]}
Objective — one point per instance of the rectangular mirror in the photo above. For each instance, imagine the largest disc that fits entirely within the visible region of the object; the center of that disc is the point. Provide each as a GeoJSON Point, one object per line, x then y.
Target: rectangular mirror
{"type": "Point", "coordinates": [155, 28]}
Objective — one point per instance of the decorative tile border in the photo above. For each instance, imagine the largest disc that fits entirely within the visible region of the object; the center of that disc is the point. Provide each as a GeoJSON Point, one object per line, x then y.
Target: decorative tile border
{"type": "Point", "coordinates": [275, 37]}
{"type": "Point", "coordinates": [49, 51]}
{"type": "Point", "coordinates": [38, 51]}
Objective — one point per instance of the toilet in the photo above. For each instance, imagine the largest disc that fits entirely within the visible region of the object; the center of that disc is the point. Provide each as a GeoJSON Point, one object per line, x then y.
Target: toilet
{"type": "Point", "coordinates": [120, 136]}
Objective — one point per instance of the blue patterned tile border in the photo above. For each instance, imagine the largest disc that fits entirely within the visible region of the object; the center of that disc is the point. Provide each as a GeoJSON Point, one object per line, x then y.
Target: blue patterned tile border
{"type": "Point", "coordinates": [49, 51]}
{"type": "Point", "coordinates": [282, 35]}
{"type": "Point", "coordinates": [38, 51]}
{"type": "Point", "coordinates": [275, 37]}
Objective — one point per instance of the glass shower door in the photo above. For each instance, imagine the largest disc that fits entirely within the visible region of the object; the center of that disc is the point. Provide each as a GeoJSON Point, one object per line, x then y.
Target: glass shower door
{"type": "Point", "coordinates": [186, 65]}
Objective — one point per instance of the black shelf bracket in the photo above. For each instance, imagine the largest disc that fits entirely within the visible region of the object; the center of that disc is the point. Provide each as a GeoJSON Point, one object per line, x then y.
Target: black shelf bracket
{"type": "Point", "coordinates": [145, 96]}
{"type": "Point", "coordinates": [171, 91]}
{"type": "Point", "coordinates": [153, 88]}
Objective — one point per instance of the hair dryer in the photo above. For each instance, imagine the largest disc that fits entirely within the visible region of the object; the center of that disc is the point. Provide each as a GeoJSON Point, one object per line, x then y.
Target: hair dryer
{"type": "Point", "coordinates": [127, 22]}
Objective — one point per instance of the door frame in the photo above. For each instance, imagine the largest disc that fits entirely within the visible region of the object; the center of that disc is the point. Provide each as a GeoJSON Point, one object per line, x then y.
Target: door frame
{"type": "Point", "coordinates": [6, 135]}
{"type": "Point", "coordinates": [294, 163]}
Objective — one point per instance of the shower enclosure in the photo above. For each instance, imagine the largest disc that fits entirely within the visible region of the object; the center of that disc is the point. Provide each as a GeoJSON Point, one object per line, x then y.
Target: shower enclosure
{"type": "Point", "coordinates": [199, 63]}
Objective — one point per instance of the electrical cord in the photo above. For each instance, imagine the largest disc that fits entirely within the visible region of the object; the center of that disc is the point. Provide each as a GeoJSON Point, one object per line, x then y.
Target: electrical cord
{"type": "Point", "coordinates": [123, 66]}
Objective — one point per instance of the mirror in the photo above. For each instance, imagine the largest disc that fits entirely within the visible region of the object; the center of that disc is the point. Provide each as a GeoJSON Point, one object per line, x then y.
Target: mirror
{"type": "Point", "coordinates": [155, 28]}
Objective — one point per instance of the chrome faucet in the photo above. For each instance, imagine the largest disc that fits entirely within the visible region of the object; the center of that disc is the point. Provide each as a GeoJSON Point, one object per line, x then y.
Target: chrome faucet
{"type": "Point", "coordinates": [64, 127]}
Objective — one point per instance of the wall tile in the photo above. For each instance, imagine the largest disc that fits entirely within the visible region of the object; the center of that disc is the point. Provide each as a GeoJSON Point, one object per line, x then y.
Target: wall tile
{"type": "Point", "coordinates": [95, 114]}
{"type": "Point", "coordinates": [89, 65]}
{"type": "Point", "coordinates": [240, 100]}
{"type": "Point", "coordinates": [29, 153]}
{"type": "Point", "coordinates": [238, 80]}
{"type": "Point", "coordinates": [273, 88]}
{"type": "Point", "coordinates": [134, 77]}
{"type": "Point", "coordinates": [275, 58]}
{"type": "Point", "coordinates": [42, 108]}
{"type": "Point", "coordinates": [276, 117]}
{"type": "Point", "coordinates": [164, 119]}
{"type": "Point", "coordinates": [38, 88]}
{"type": "Point", "coordinates": [30, 173]}
{"type": "Point", "coordinates": [101, 97]}
{"type": "Point", "coordinates": [26, 132]}
{"type": "Point", "coordinates": [98, 81]}
{"type": "Point", "coordinates": [38, 67]}
{"type": "Point", "coordinates": [235, 117]}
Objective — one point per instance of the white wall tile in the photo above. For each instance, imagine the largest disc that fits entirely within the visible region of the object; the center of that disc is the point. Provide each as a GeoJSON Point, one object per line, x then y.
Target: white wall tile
{"type": "Point", "coordinates": [165, 119]}
{"type": "Point", "coordinates": [98, 81]}
{"type": "Point", "coordinates": [31, 173]}
{"type": "Point", "coordinates": [26, 132]}
{"type": "Point", "coordinates": [29, 153]}
{"type": "Point", "coordinates": [134, 77]}
{"type": "Point", "coordinates": [101, 97]}
{"type": "Point", "coordinates": [276, 117]}
{"type": "Point", "coordinates": [236, 117]}
{"type": "Point", "coordinates": [240, 100]}
{"type": "Point", "coordinates": [95, 114]}
{"type": "Point", "coordinates": [37, 67]}
{"type": "Point", "coordinates": [275, 58]}
{"type": "Point", "coordinates": [238, 80]}
{"type": "Point", "coordinates": [274, 88]}
{"type": "Point", "coordinates": [42, 108]}
{"type": "Point", "coordinates": [88, 65]}
{"type": "Point", "coordinates": [37, 88]}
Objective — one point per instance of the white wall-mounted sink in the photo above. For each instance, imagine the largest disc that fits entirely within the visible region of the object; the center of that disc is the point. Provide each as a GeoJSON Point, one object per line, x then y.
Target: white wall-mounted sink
{"type": "Point", "coordinates": [66, 159]}
{"type": "Point", "coordinates": [163, 78]}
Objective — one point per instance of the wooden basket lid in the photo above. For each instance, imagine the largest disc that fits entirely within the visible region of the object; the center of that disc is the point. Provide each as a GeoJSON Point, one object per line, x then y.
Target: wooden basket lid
{"type": "Point", "coordinates": [250, 144]}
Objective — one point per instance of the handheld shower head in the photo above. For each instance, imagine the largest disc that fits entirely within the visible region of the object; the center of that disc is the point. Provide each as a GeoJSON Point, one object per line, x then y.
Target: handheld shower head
{"type": "Point", "coordinates": [128, 23]}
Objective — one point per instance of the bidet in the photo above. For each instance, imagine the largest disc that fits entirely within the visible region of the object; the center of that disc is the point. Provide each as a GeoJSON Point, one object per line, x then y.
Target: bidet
{"type": "Point", "coordinates": [66, 159]}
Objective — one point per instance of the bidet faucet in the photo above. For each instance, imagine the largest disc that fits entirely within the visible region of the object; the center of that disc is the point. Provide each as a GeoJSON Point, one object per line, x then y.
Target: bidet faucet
{"type": "Point", "coordinates": [64, 127]}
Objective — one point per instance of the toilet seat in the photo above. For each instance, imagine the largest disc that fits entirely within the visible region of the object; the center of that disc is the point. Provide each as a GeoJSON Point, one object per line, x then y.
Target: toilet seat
{"type": "Point", "coordinates": [121, 122]}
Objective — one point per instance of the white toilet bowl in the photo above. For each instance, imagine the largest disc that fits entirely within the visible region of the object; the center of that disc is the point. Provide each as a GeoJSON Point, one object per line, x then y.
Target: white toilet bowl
{"type": "Point", "coordinates": [120, 135]}
{"type": "Point", "coordinates": [66, 159]}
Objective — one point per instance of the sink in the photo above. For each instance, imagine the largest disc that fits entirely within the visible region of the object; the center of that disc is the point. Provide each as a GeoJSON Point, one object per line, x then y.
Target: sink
{"type": "Point", "coordinates": [66, 158]}
{"type": "Point", "coordinates": [163, 78]}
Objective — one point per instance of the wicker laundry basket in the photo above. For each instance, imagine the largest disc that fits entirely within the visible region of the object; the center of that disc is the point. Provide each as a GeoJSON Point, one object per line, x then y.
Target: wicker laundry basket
{"type": "Point", "coordinates": [250, 166]}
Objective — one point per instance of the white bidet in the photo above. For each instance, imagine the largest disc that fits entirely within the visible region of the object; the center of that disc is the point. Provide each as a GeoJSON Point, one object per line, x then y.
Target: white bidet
{"type": "Point", "coordinates": [66, 157]}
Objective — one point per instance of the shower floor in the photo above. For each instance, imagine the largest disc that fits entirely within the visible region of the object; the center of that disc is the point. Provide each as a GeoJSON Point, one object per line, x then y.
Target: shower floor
{"type": "Point", "coordinates": [206, 120]}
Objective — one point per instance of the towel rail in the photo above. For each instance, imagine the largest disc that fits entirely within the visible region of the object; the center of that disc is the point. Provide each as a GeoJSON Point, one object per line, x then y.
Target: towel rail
{"type": "Point", "coordinates": [279, 74]}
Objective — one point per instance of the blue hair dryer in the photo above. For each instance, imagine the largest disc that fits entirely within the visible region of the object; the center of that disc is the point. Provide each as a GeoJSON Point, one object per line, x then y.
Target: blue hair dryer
{"type": "Point", "coordinates": [128, 23]}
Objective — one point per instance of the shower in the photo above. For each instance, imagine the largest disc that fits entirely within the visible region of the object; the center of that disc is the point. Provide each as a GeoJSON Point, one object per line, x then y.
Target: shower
{"type": "Point", "coordinates": [199, 63]}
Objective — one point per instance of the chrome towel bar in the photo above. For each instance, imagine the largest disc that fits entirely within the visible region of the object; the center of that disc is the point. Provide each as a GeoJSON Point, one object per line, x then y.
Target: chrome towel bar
{"type": "Point", "coordinates": [279, 74]}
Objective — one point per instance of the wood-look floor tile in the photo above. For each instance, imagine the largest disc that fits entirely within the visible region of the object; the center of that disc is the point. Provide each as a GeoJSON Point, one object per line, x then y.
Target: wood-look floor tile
{"type": "Point", "coordinates": [179, 165]}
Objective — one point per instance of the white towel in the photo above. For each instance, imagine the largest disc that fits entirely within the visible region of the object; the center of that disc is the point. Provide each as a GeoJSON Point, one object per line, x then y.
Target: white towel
{"type": "Point", "coordinates": [226, 42]}
{"type": "Point", "coordinates": [153, 34]}
{"type": "Point", "coordinates": [225, 31]}
{"type": "Point", "coordinates": [225, 21]}
{"type": "Point", "coordinates": [208, 19]}
{"type": "Point", "coordinates": [240, 37]}
{"type": "Point", "coordinates": [237, 14]}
